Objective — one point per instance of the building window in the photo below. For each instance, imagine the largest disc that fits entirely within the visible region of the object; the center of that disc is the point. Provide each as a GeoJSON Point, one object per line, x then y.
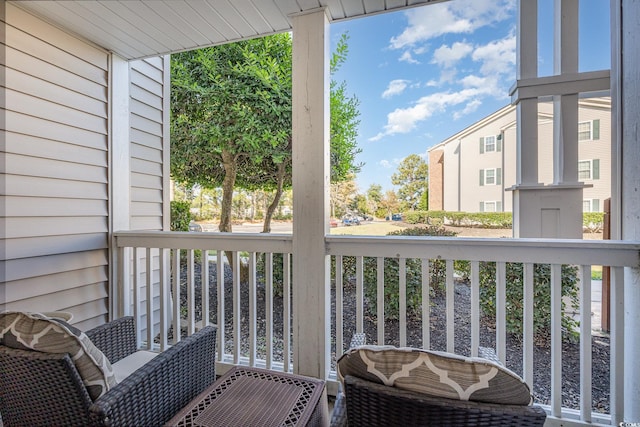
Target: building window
{"type": "Point", "coordinates": [589, 130]}
{"type": "Point", "coordinates": [490, 176]}
{"type": "Point", "coordinates": [490, 144]}
{"type": "Point", "coordinates": [492, 206]}
{"type": "Point", "coordinates": [591, 205]}
{"type": "Point", "coordinates": [589, 169]}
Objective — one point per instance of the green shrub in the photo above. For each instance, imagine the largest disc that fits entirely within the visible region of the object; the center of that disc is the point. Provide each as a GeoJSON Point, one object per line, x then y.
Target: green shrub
{"type": "Point", "coordinates": [459, 219]}
{"type": "Point", "coordinates": [514, 286]}
{"type": "Point", "coordinates": [283, 217]}
{"type": "Point", "coordinates": [542, 297]}
{"type": "Point", "coordinates": [278, 272]}
{"type": "Point", "coordinates": [593, 222]}
{"type": "Point", "coordinates": [392, 275]}
{"type": "Point", "coordinates": [180, 215]}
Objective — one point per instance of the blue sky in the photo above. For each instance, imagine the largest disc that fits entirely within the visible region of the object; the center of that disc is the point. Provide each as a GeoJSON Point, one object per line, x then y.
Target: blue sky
{"type": "Point", "coordinates": [424, 74]}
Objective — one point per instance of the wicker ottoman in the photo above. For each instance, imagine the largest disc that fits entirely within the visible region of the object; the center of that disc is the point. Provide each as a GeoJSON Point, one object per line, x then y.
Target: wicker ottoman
{"type": "Point", "coordinates": [245, 397]}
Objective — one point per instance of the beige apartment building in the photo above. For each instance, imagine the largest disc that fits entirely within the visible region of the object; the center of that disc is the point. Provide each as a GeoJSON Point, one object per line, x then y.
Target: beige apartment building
{"type": "Point", "coordinates": [473, 170]}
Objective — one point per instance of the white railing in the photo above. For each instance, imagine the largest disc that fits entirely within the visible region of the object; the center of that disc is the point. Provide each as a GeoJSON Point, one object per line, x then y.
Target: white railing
{"type": "Point", "coordinates": [556, 253]}
{"type": "Point", "coordinates": [359, 264]}
{"type": "Point", "coordinates": [180, 263]}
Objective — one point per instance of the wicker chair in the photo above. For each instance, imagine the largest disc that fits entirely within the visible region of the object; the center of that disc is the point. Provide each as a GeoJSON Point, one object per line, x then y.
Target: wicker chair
{"type": "Point", "coordinates": [45, 389]}
{"type": "Point", "coordinates": [371, 404]}
{"type": "Point", "coordinates": [366, 403]}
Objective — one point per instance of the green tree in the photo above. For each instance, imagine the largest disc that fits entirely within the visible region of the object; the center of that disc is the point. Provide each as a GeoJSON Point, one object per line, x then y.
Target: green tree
{"type": "Point", "coordinates": [230, 104]}
{"type": "Point", "coordinates": [412, 177]}
{"type": "Point", "coordinates": [374, 196]}
{"type": "Point", "coordinates": [344, 120]}
{"type": "Point", "coordinates": [342, 195]}
{"type": "Point", "coordinates": [231, 119]}
{"type": "Point", "coordinates": [388, 204]}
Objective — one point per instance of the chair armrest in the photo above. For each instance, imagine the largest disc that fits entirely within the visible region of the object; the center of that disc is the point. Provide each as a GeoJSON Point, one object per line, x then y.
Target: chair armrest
{"type": "Point", "coordinates": [158, 390]}
{"type": "Point", "coordinates": [339, 414]}
{"type": "Point", "coordinates": [116, 339]}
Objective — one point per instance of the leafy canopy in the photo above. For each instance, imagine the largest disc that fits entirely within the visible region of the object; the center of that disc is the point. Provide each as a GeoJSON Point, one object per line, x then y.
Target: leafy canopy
{"type": "Point", "coordinates": [412, 177]}
{"type": "Point", "coordinates": [235, 99]}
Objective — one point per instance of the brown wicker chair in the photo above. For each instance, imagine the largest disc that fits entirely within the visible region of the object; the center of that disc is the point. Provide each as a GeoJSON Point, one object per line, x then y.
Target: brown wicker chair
{"type": "Point", "coordinates": [366, 403]}
{"type": "Point", "coordinates": [371, 404]}
{"type": "Point", "coordinates": [45, 389]}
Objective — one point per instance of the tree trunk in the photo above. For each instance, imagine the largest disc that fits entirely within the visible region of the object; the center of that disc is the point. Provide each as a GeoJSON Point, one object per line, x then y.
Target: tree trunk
{"type": "Point", "coordinates": [230, 171]}
{"type": "Point", "coordinates": [276, 199]}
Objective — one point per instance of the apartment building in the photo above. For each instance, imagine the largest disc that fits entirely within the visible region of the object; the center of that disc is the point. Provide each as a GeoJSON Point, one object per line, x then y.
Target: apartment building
{"type": "Point", "coordinates": [473, 170]}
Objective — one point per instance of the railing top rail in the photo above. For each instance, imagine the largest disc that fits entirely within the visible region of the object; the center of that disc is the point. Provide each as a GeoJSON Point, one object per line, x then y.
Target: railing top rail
{"type": "Point", "coordinates": [615, 253]}
{"type": "Point", "coordinates": [252, 242]}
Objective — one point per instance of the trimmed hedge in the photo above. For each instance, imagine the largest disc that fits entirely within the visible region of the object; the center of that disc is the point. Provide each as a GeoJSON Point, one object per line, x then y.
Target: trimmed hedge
{"type": "Point", "coordinates": [466, 219]}
{"type": "Point", "coordinates": [591, 221]}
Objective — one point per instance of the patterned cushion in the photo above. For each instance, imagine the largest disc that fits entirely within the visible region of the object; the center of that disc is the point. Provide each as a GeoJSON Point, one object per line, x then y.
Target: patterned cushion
{"type": "Point", "coordinates": [436, 374]}
{"type": "Point", "coordinates": [34, 331]}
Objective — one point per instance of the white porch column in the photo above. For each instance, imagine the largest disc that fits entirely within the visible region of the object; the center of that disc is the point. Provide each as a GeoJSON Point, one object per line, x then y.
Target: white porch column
{"type": "Point", "coordinates": [554, 210]}
{"type": "Point", "coordinates": [626, 86]}
{"type": "Point", "coordinates": [120, 172]}
{"type": "Point", "coordinates": [565, 107]}
{"type": "Point", "coordinates": [311, 329]}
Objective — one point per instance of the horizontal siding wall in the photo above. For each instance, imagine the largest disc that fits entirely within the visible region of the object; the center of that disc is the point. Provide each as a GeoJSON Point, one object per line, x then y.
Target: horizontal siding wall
{"type": "Point", "coordinates": [56, 171]}
{"type": "Point", "coordinates": [148, 91]}
{"type": "Point", "coordinates": [149, 103]}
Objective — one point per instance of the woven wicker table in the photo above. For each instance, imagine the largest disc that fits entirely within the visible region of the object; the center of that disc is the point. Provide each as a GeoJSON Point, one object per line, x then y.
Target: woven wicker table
{"type": "Point", "coordinates": [252, 397]}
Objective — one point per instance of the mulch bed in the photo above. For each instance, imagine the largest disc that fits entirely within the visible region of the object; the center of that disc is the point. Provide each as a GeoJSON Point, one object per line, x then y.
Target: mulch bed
{"type": "Point", "coordinates": [542, 358]}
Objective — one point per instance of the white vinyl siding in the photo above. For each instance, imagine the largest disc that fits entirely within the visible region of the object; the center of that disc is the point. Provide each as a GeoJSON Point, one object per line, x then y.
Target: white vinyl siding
{"type": "Point", "coordinates": [149, 158]}
{"type": "Point", "coordinates": [56, 171]}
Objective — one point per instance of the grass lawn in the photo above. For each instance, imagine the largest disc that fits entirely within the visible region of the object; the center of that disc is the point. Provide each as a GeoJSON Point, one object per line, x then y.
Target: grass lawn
{"type": "Point", "coordinates": [367, 229]}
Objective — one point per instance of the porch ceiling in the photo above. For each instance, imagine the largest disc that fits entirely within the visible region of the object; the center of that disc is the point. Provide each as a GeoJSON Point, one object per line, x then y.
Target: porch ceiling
{"type": "Point", "coordinates": [145, 28]}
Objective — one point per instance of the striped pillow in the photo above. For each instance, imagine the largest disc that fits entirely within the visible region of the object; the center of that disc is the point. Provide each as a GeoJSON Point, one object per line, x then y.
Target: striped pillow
{"type": "Point", "coordinates": [436, 374]}
{"type": "Point", "coordinates": [34, 331]}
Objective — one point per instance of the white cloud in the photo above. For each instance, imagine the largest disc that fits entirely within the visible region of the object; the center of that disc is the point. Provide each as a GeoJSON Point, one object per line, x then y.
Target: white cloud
{"type": "Point", "coordinates": [475, 81]}
{"type": "Point", "coordinates": [497, 57]}
{"type": "Point", "coordinates": [395, 87]}
{"type": "Point", "coordinates": [469, 108]}
{"type": "Point", "coordinates": [446, 56]}
{"type": "Point", "coordinates": [404, 120]}
{"type": "Point", "coordinates": [406, 57]}
{"type": "Point", "coordinates": [385, 164]}
{"type": "Point", "coordinates": [459, 17]}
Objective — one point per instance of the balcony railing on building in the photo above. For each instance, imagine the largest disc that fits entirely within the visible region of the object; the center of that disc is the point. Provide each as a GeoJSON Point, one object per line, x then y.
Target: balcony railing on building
{"type": "Point", "coordinates": [254, 300]}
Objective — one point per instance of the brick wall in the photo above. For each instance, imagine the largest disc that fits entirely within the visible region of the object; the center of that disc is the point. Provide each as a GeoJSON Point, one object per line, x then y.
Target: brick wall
{"type": "Point", "coordinates": [436, 180]}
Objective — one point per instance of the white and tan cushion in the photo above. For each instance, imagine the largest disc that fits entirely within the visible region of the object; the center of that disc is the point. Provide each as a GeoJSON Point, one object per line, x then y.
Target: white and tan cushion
{"type": "Point", "coordinates": [128, 365]}
{"type": "Point", "coordinates": [436, 374]}
{"type": "Point", "coordinates": [35, 331]}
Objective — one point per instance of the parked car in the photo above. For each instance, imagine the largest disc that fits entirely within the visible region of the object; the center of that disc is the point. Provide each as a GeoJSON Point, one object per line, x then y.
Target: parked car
{"type": "Point", "coordinates": [194, 226]}
{"type": "Point", "coordinates": [333, 223]}
{"type": "Point", "coordinates": [396, 217]}
{"type": "Point", "coordinates": [350, 219]}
